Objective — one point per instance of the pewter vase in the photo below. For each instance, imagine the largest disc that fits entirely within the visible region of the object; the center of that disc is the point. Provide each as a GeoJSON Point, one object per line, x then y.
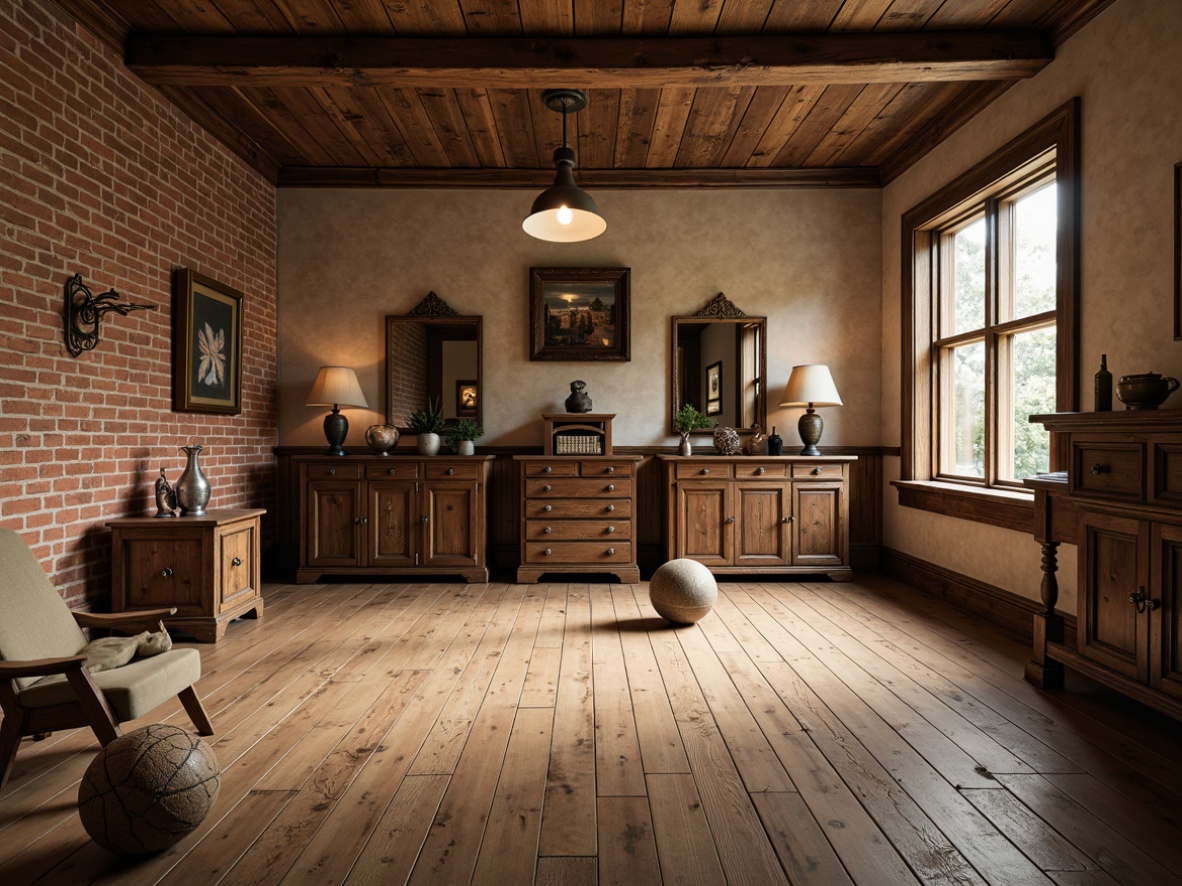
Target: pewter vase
{"type": "Point", "coordinates": [192, 489]}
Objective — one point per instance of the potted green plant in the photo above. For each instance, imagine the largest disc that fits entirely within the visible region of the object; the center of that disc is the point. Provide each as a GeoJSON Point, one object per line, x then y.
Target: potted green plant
{"type": "Point", "coordinates": [687, 421]}
{"type": "Point", "coordinates": [462, 435]}
{"type": "Point", "coordinates": [427, 422]}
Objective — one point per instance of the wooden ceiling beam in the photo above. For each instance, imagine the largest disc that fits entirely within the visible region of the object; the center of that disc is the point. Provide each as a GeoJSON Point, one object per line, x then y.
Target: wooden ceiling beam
{"type": "Point", "coordinates": [622, 179]}
{"type": "Point", "coordinates": [591, 62]}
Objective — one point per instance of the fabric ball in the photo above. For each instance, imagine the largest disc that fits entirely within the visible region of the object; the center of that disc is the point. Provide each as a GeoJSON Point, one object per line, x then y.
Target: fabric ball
{"type": "Point", "coordinates": [682, 591]}
{"type": "Point", "coordinates": [147, 789]}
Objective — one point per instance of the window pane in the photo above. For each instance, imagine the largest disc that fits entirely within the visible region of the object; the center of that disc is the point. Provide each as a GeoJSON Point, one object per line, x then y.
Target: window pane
{"type": "Point", "coordinates": [1035, 221]}
{"type": "Point", "coordinates": [1032, 378]}
{"type": "Point", "coordinates": [964, 443]}
{"type": "Point", "coordinates": [968, 296]}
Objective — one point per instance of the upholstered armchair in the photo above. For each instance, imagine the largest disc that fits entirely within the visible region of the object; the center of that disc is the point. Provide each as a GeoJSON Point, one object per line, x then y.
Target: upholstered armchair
{"type": "Point", "coordinates": [45, 683]}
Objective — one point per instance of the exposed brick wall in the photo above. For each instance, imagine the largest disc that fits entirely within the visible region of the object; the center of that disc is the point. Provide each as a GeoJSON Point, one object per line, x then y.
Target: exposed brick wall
{"type": "Point", "coordinates": [101, 175]}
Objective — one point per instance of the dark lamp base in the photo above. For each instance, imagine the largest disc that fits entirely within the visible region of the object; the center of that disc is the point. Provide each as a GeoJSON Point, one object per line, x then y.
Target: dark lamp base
{"type": "Point", "coordinates": [336, 429]}
{"type": "Point", "coordinates": [810, 427]}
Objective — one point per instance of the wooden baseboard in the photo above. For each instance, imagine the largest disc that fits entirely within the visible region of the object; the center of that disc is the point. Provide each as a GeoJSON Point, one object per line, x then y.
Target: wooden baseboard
{"type": "Point", "coordinates": [1009, 611]}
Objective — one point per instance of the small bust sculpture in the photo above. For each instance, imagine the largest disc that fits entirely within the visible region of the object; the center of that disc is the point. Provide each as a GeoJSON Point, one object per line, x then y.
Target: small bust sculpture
{"type": "Point", "coordinates": [165, 497]}
{"type": "Point", "coordinates": [578, 401]}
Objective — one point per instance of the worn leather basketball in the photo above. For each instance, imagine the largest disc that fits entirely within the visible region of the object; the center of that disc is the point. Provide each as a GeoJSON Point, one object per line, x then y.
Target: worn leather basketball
{"type": "Point", "coordinates": [147, 789]}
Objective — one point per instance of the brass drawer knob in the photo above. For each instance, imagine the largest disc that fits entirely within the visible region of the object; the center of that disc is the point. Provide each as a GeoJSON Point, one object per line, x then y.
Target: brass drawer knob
{"type": "Point", "coordinates": [547, 530]}
{"type": "Point", "coordinates": [704, 471]}
{"type": "Point", "coordinates": [610, 508]}
{"type": "Point", "coordinates": [611, 487]}
{"type": "Point", "coordinates": [760, 471]}
{"type": "Point", "coordinates": [1101, 469]}
{"type": "Point", "coordinates": [450, 471]}
{"type": "Point", "coordinates": [611, 469]}
{"type": "Point", "coordinates": [547, 552]}
{"type": "Point", "coordinates": [548, 508]}
{"type": "Point", "coordinates": [546, 488]}
{"type": "Point", "coordinates": [816, 471]}
{"type": "Point", "coordinates": [611, 552]}
{"type": "Point", "coordinates": [610, 530]}
{"type": "Point", "coordinates": [237, 561]}
{"type": "Point", "coordinates": [166, 572]}
{"type": "Point", "coordinates": [547, 469]}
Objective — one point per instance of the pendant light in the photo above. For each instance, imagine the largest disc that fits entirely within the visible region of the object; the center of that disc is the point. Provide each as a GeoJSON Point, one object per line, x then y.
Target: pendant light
{"type": "Point", "coordinates": [564, 212]}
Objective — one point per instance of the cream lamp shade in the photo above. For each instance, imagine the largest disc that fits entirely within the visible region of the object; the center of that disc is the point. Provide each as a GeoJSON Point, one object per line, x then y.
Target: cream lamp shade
{"type": "Point", "coordinates": [336, 386]}
{"type": "Point", "coordinates": [810, 385]}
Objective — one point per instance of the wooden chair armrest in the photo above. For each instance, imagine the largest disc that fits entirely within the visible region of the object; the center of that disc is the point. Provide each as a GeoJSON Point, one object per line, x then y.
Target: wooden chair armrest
{"type": "Point", "coordinates": [40, 667]}
{"type": "Point", "coordinates": [144, 619]}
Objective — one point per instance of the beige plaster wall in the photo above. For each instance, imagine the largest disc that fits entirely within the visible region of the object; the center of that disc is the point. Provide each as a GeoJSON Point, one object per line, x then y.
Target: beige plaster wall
{"type": "Point", "coordinates": [807, 259]}
{"type": "Point", "coordinates": [1125, 65]}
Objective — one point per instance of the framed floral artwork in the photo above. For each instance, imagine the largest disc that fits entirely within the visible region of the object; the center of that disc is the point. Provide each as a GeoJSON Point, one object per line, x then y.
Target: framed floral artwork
{"type": "Point", "coordinates": [207, 345]}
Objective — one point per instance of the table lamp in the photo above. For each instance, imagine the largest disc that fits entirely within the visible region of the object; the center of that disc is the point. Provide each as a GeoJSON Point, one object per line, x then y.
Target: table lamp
{"type": "Point", "coordinates": [336, 386]}
{"type": "Point", "coordinates": [810, 385]}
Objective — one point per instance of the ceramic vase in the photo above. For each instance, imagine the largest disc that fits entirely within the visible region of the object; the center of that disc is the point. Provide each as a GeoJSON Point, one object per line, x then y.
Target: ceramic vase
{"type": "Point", "coordinates": [428, 444]}
{"type": "Point", "coordinates": [192, 488]}
{"type": "Point", "coordinates": [466, 447]}
{"type": "Point", "coordinates": [685, 447]}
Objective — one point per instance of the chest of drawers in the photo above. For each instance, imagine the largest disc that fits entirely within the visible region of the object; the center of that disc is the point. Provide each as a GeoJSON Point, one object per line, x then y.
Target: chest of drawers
{"type": "Point", "coordinates": [578, 515]}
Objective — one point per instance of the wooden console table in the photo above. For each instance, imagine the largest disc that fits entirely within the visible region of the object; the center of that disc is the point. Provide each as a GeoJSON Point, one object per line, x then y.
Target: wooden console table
{"type": "Point", "coordinates": [1120, 501]}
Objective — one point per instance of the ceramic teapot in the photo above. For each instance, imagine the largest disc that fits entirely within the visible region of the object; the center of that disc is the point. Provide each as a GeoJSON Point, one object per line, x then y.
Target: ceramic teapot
{"type": "Point", "coordinates": [1145, 391]}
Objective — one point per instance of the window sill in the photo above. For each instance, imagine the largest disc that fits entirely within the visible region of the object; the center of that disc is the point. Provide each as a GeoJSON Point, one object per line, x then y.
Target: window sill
{"type": "Point", "coordinates": [1009, 510]}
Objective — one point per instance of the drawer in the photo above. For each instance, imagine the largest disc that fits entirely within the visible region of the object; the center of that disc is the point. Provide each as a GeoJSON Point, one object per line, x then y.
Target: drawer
{"type": "Point", "coordinates": [552, 469]}
{"type": "Point", "coordinates": [761, 471]}
{"type": "Point", "coordinates": [577, 530]}
{"type": "Point", "coordinates": [465, 471]}
{"type": "Point", "coordinates": [392, 471]}
{"type": "Point", "coordinates": [578, 508]}
{"type": "Point", "coordinates": [691, 470]}
{"type": "Point", "coordinates": [607, 468]}
{"type": "Point", "coordinates": [816, 472]}
{"type": "Point", "coordinates": [1107, 470]}
{"type": "Point", "coordinates": [342, 470]}
{"type": "Point", "coordinates": [579, 487]}
{"type": "Point", "coordinates": [578, 552]}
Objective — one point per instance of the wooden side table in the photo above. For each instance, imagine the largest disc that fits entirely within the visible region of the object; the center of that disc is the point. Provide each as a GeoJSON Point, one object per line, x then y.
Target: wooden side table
{"type": "Point", "coordinates": [207, 567]}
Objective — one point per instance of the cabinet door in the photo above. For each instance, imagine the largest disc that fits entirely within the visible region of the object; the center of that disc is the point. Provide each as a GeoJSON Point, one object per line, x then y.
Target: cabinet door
{"type": "Point", "coordinates": [818, 536]}
{"type": "Point", "coordinates": [761, 533]}
{"type": "Point", "coordinates": [392, 524]}
{"type": "Point", "coordinates": [452, 524]}
{"type": "Point", "coordinates": [705, 523]}
{"type": "Point", "coordinates": [333, 523]}
{"type": "Point", "coordinates": [235, 559]}
{"type": "Point", "coordinates": [1165, 626]}
{"type": "Point", "coordinates": [1111, 631]}
{"type": "Point", "coordinates": [164, 572]}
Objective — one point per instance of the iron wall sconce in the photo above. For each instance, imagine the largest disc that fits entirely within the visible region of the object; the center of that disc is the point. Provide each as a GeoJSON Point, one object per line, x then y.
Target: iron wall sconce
{"type": "Point", "coordinates": [84, 309]}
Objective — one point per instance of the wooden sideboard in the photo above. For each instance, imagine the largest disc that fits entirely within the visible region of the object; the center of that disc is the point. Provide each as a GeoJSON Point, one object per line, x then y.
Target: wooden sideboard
{"type": "Point", "coordinates": [207, 567]}
{"type": "Point", "coordinates": [370, 514]}
{"type": "Point", "coordinates": [1120, 501]}
{"type": "Point", "coordinates": [578, 515]}
{"type": "Point", "coordinates": [773, 514]}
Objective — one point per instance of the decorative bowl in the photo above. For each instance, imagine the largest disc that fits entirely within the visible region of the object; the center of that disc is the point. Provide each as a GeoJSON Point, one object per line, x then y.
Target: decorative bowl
{"type": "Point", "coordinates": [381, 438]}
{"type": "Point", "coordinates": [1145, 391]}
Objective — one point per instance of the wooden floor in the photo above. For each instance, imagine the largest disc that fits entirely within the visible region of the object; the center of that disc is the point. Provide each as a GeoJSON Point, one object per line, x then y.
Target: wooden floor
{"type": "Point", "coordinates": [562, 734]}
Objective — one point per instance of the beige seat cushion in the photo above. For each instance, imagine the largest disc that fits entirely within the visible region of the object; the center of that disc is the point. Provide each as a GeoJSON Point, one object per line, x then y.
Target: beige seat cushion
{"type": "Point", "coordinates": [132, 690]}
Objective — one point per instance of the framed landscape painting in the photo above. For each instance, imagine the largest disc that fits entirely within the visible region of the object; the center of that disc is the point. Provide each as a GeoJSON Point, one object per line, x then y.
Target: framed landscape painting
{"type": "Point", "coordinates": [579, 314]}
{"type": "Point", "coordinates": [207, 346]}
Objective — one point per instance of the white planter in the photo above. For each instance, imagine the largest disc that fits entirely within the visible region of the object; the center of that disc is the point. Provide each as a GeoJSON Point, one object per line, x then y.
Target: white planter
{"type": "Point", "coordinates": [428, 444]}
{"type": "Point", "coordinates": [466, 447]}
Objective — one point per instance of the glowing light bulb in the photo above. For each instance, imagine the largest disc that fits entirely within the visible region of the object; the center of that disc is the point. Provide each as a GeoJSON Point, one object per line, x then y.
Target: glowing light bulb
{"type": "Point", "coordinates": [565, 216]}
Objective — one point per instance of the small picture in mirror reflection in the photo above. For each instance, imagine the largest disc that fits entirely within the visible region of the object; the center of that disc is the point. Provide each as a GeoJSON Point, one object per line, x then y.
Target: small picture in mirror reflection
{"type": "Point", "coordinates": [466, 398]}
{"type": "Point", "coordinates": [714, 388]}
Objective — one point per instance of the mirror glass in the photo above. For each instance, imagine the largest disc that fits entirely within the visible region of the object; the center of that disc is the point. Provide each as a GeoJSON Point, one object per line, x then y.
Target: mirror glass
{"type": "Point", "coordinates": [719, 366]}
{"type": "Point", "coordinates": [433, 358]}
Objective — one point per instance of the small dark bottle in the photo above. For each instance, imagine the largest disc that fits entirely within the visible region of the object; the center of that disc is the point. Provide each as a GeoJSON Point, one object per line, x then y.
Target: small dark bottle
{"type": "Point", "coordinates": [1103, 395]}
{"type": "Point", "coordinates": [775, 444]}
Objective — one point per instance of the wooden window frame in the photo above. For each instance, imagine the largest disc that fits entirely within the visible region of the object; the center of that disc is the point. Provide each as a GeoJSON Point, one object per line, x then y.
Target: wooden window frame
{"type": "Point", "coordinates": [1013, 167]}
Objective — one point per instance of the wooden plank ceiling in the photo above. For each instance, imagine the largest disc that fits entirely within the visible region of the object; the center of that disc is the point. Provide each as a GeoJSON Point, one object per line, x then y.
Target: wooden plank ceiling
{"type": "Point", "coordinates": [439, 93]}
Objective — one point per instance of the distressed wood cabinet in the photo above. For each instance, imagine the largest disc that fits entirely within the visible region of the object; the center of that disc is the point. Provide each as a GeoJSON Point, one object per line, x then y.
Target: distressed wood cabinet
{"type": "Point", "coordinates": [363, 515]}
{"type": "Point", "coordinates": [1120, 501]}
{"type": "Point", "coordinates": [774, 514]}
{"type": "Point", "coordinates": [207, 567]}
{"type": "Point", "coordinates": [578, 515]}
